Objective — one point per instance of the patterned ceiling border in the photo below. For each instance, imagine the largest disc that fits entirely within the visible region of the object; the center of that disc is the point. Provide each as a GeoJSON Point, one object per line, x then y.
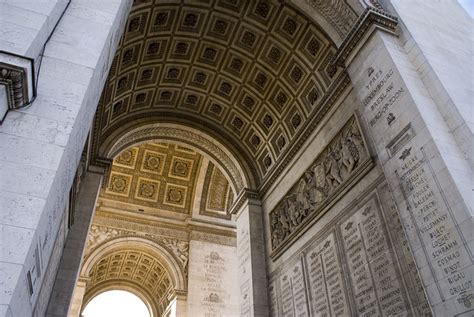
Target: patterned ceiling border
{"type": "Point", "coordinates": [338, 13]}
{"type": "Point", "coordinates": [212, 149]}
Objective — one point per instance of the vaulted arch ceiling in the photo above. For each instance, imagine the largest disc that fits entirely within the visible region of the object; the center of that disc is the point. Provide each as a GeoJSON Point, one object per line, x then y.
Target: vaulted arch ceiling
{"type": "Point", "coordinates": [135, 268]}
{"type": "Point", "coordinates": [167, 180]}
{"type": "Point", "coordinates": [250, 73]}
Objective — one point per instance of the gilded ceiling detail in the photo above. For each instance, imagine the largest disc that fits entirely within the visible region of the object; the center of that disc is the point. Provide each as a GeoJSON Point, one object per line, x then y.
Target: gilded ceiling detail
{"type": "Point", "coordinates": [251, 71]}
{"type": "Point", "coordinates": [157, 175]}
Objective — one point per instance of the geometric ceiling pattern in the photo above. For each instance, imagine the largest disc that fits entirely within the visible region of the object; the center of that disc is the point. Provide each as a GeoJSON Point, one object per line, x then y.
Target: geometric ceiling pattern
{"type": "Point", "coordinates": [164, 177]}
{"type": "Point", "coordinates": [250, 71]}
{"type": "Point", "coordinates": [137, 267]}
{"type": "Point", "coordinates": [160, 176]}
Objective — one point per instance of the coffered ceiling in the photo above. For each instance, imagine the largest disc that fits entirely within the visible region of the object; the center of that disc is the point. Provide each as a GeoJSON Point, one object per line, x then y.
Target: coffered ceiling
{"type": "Point", "coordinates": [157, 178]}
{"type": "Point", "coordinates": [136, 267]}
{"type": "Point", "coordinates": [160, 176]}
{"type": "Point", "coordinates": [250, 72]}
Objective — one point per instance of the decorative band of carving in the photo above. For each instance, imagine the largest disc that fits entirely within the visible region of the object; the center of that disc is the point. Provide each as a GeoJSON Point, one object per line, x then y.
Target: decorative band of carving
{"type": "Point", "coordinates": [213, 238]}
{"type": "Point", "coordinates": [332, 173]}
{"type": "Point", "coordinates": [101, 234]}
{"type": "Point", "coordinates": [16, 82]}
{"type": "Point", "coordinates": [174, 133]}
{"type": "Point", "coordinates": [371, 17]}
{"type": "Point", "coordinates": [337, 12]}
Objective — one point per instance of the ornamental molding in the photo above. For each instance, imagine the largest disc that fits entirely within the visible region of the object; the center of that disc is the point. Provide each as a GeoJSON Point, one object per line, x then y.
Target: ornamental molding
{"type": "Point", "coordinates": [188, 137]}
{"type": "Point", "coordinates": [16, 82]}
{"type": "Point", "coordinates": [370, 20]}
{"type": "Point", "coordinates": [101, 234]}
{"type": "Point", "coordinates": [244, 196]}
{"type": "Point", "coordinates": [337, 12]}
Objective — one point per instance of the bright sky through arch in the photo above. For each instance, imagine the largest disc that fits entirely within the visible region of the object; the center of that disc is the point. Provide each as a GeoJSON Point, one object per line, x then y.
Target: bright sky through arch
{"type": "Point", "coordinates": [116, 304]}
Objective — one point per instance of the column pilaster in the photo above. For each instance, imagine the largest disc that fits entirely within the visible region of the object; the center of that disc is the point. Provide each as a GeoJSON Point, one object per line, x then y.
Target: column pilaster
{"type": "Point", "coordinates": [252, 273]}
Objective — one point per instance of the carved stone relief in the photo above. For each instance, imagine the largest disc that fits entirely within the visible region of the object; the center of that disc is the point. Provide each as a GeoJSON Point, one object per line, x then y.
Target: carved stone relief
{"type": "Point", "coordinates": [338, 13]}
{"type": "Point", "coordinates": [356, 265]}
{"type": "Point", "coordinates": [332, 171]}
{"type": "Point", "coordinates": [15, 81]}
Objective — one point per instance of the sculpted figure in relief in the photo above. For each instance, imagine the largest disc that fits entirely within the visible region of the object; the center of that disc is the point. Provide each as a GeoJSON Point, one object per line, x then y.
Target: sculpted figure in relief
{"type": "Point", "coordinates": [331, 168]}
{"type": "Point", "coordinates": [333, 172]}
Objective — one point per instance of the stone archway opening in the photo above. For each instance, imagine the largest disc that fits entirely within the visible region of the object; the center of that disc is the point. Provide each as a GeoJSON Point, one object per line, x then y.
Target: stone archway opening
{"type": "Point", "coordinates": [117, 303]}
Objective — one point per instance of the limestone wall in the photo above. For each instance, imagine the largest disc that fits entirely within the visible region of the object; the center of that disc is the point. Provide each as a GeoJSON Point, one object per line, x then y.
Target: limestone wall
{"type": "Point", "coordinates": [212, 280]}
{"type": "Point", "coordinates": [351, 256]}
{"type": "Point", "coordinates": [41, 145]}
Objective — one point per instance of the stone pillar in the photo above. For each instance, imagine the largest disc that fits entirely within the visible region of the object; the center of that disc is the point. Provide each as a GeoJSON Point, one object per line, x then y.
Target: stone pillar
{"type": "Point", "coordinates": [252, 273]}
{"type": "Point", "coordinates": [68, 271]}
{"type": "Point", "coordinates": [178, 305]}
{"type": "Point", "coordinates": [77, 298]}
{"type": "Point", "coordinates": [430, 178]}
{"type": "Point", "coordinates": [41, 145]}
{"type": "Point", "coordinates": [212, 275]}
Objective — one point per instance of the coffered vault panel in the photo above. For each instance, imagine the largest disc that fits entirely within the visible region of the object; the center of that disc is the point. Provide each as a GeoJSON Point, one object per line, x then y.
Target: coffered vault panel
{"type": "Point", "coordinates": [157, 175]}
{"type": "Point", "coordinates": [136, 267]}
{"type": "Point", "coordinates": [252, 72]}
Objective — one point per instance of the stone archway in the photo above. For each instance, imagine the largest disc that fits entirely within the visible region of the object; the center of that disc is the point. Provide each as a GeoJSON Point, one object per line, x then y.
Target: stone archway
{"type": "Point", "coordinates": [148, 269]}
{"type": "Point", "coordinates": [237, 173]}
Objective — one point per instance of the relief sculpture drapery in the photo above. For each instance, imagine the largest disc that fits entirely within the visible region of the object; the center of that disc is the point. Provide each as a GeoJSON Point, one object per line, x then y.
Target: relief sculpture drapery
{"type": "Point", "coordinates": [344, 157]}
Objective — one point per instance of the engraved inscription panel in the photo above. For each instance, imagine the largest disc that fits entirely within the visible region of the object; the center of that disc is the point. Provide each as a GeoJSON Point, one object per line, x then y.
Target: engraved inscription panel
{"type": "Point", "coordinates": [325, 279]}
{"type": "Point", "coordinates": [273, 299]}
{"type": "Point", "coordinates": [371, 266]}
{"type": "Point", "coordinates": [286, 296]}
{"type": "Point", "coordinates": [214, 291]}
{"type": "Point", "coordinates": [298, 288]}
{"type": "Point", "coordinates": [350, 268]}
{"type": "Point", "coordinates": [442, 241]}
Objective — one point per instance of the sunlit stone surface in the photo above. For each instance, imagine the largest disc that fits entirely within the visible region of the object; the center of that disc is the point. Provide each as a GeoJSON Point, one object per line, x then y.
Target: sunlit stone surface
{"type": "Point", "coordinates": [237, 158]}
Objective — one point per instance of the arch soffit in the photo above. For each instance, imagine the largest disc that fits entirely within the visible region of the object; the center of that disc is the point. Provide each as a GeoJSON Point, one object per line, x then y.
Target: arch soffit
{"type": "Point", "coordinates": [256, 97]}
{"type": "Point", "coordinates": [121, 285]}
{"type": "Point", "coordinates": [239, 175]}
{"type": "Point", "coordinates": [152, 248]}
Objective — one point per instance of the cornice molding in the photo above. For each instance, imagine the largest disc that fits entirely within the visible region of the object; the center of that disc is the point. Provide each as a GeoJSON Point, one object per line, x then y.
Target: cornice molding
{"type": "Point", "coordinates": [245, 195]}
{"type": "Point", "coordinates": [370, 20]}
{"type": "Point", "coordinates": [17, 75]}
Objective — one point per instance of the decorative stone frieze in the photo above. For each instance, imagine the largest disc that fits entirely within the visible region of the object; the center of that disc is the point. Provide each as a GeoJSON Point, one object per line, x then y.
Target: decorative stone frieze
{"type": "Point", "coordinates": [344, 159]}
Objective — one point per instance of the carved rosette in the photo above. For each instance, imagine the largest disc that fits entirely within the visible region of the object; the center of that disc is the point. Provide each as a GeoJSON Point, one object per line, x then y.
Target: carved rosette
{"type": "Point", "coordinates": [330, 175]}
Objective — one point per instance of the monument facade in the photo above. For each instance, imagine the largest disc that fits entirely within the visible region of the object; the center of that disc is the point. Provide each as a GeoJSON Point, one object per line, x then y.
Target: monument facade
{"type": "Point", "coordinates": [237, 158]}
